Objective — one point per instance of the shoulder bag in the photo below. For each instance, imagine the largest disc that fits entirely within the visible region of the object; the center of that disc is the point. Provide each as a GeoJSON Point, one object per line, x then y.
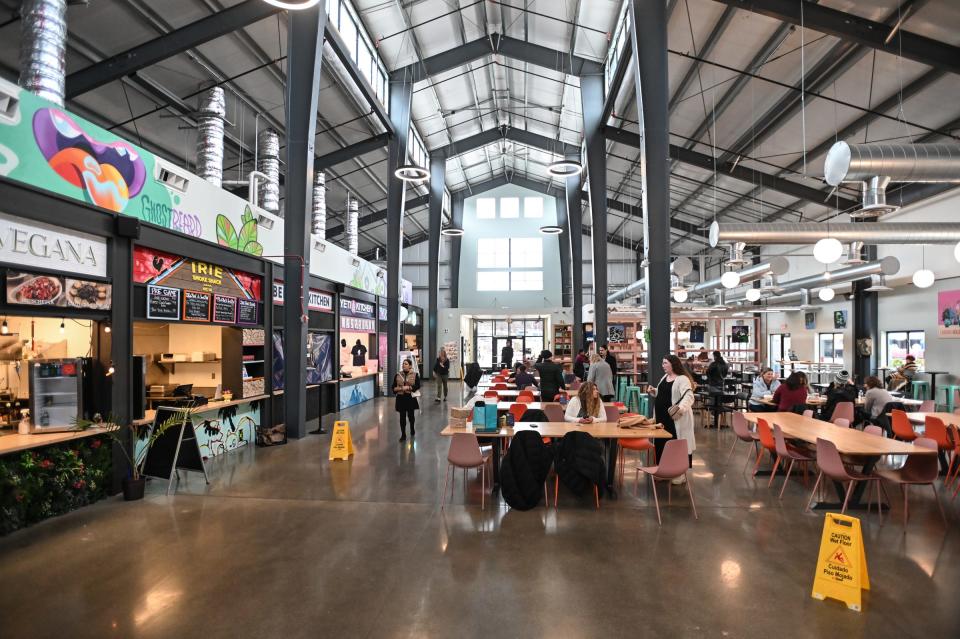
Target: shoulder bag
{"type": "Point", "coordinates": [675, 408]}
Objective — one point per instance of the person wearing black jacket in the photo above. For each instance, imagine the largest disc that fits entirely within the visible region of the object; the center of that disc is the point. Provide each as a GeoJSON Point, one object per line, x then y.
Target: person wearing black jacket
{"type": "Point", "coordinates": [442, 368]}
{"type": "Point", "coordinates": [840, 390]}
{"type": "Point", "coordinates": [406, 385]}
{"type": "Point", "coordinates": [506, 355]}
{"type": "Point", "coordinates": [579, 365]}
{"type": "Point", "coordinates": [551, 377]}
{"type": "Point", "coordinates": [609, 358]}
{"type": "Point", "coordinates": [717, 371]}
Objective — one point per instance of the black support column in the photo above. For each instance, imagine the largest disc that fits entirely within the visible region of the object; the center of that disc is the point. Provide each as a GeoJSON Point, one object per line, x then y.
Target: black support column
{"type": "Point", "coordinates": [591, 102]}
{"type": "Point", "coordinates": [121, 345]}
{"type": "Point", "coordinates": [457, 216]}
{"type": "Point", "coordinates": [866, 323]}
{"type": "Point", "coordinates": [304, 51]}
{"type": "Point", "coordinates": [652, 90]}
{"type": "Point", "coordinates": [575, 238]}
{"type": "Point", "coordinates": [401, 94]}
{"type": "Point", "coordinates": [564, 245]}
{"type": "Point", "coordinates": [438, 166]}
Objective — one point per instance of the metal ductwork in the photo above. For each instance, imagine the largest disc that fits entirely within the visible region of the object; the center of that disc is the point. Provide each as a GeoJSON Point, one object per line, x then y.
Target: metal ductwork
{"type": "Point", "coordinates": [318, 217]}
{"type": "Point", "coordinates": [268, 163]}
{"type": "Point", "coordinates": [213, 110]}
{"type": "Point", "coordinates": [736, 254]}
{"type": "Point", "coordinates": [682, 266]}
{"type": "Point", "coordinates": [876, 165]}
{"type": "Point", "coordinates": [43, 48]}
{"type": "Point", "coordinates": [887, 266]}
{"type": "Point", "coordinates": [353, 225]}
{"type": "Point", "coordinates": [811, 232]}
{"type": "Point", "coordinates": [774, 266]}
{"type": "Point", "coordinates": [855, 253]}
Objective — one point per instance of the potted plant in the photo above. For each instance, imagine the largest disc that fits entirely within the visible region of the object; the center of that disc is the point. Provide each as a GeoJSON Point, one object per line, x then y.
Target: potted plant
{"type": "Point", "coordinates": [126, 436]}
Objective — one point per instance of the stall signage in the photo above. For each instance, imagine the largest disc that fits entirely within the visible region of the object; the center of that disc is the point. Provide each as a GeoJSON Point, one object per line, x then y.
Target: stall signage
{"type": "Point", "coordinates": [277, 292]}
{"type": "Point", "coordinates": [156, 267]}
{"type": "Point", "coordinates": [356, 308]}
{"type": "Point", "coordinates": [50, 290]}
{"type": "Point", "coordinates": [247, 312]}
{"type": "Point", "coordinates": [359, 324]}
{"type": "Point", "coordinates": [382, 313]}
{"type": "Point", "coordinates": [28, 243]}
{"type": "Point", "coordinates": [163, 303]}
{"type": "Point", "coordinates": [196, 306]}
{"type": "Point", "coordinates": [317, 300]}
{"type": "Point", "coordinates": [224, 309]}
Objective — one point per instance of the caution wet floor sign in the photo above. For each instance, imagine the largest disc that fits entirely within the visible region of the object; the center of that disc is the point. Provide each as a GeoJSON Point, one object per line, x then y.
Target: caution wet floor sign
{"type": "Point", "coordinates": [341, 446]}
{"type": "Point", "coordinates": [842, 563]}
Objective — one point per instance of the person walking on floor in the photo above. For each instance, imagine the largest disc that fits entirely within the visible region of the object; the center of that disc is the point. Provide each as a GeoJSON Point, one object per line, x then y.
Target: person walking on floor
{"type": "Point", "coordinates": [442, 368]}
{"type": "Point", "coordinates": [608, 357]}
{"type": "Point", "coordinates": [580, 366]}
{"type": "Point", "coordinates": [601, 375]}
{"type": "Point", "coordinates": [717, 371]}
{"type": "Point", "coordinates": [406, 385]}
{"type": "Point", "coordinates": [551, 377]}
{"type": "Point", "coordinates": [675, 388]}
{"type": "Point", "coordinates": [506, 355]}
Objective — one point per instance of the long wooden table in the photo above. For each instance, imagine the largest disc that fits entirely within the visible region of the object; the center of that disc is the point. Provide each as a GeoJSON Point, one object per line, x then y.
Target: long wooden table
{"type": "Point", "coordinates": [515, 393]}
{"type": "Point", "coordinates": [849, 441]}
{"type": "Point", "coordinates": [609, 432]}
{"type": "Point", "coordinates": [947, 418]}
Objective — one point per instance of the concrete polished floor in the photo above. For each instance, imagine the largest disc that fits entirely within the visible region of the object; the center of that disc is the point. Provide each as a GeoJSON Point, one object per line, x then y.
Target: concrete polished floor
{"type": "Point", "coordinates": [285, 544]}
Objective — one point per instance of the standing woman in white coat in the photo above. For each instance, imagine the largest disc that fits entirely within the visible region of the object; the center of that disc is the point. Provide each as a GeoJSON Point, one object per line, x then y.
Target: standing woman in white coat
{"type": "Point", "coordinates": [675, 388]}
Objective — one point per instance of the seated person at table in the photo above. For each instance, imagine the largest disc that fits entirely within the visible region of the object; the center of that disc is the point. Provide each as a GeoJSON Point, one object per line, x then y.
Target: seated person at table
{"type": "Point", "coordinates": [841, 389]}
{"type": "Point", "coordinates": [874, 399]}
{"type": "Point", "coordinates": [703, 356]}
{"type": "Point", "coordinates": [524, 379]}
{"type": "Point", "coordinates": [717, 370]}
{"type": "Point", "coordinates": [791, 393]}
{"type": "Point", "coordinates": [902, 377]}
{"type": "Point", "coordinates": [586, 407]}
{"type": "Point", "coordinates": [764, 384]}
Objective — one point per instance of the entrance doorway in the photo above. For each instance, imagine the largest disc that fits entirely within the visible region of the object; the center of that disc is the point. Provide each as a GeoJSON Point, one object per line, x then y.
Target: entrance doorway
{"type": "Point", "coordinates": [526, 336]}
{"type": "Point", "coordinates": [777, 351]}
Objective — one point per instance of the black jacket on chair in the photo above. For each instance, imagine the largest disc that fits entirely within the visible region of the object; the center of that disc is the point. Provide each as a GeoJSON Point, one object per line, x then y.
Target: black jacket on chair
{"type": "Point", "coordinates": [474, 373]}
{"type": "Point", "coordinates": [524, 470]}
{"type": "Point", "coordinates": [579, 462]}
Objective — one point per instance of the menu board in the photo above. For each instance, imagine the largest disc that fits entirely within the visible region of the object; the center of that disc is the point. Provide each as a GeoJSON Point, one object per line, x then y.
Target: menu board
{"type": "Point", "coordinates": [224, 309]}
{"type": "Point", "coordinates": [247, 312]}
{"type": "Point", "coordinates": [163, 303]}
{"type": "Point", "coordinates": [196, 306]}
{"type": "Point", "coordinates": [51, 290]}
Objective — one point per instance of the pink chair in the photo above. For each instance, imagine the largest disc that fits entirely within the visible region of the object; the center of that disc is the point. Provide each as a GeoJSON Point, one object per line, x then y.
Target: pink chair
{"type": "Point", "coordinates": [843, 410]}
{"type": "Point", "coordinates": [808, 413]}
{"type": "Point", "coordinates": [673, 463]}
{"type": "Point", "coordinates": [831, 466]}
{"type": "Point", "coordinates": [873, 429]}
{"type": "Point", "coordinates": [465, 453]}
{"type": "Point", "coordinates": [785, 452]}
{"type": "Point", "coordinates": [919, 470]}
{"type": "Point", "coordinates": [842, 422]}
{"type": "Point", "coordinates": [741, 428]}
{"type": "Point", "coordinates": [613, 414]}
{"type": "Point", "coordinates": [554, 412]}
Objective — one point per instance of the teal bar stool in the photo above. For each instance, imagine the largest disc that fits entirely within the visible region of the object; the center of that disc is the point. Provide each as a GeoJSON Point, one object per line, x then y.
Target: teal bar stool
{"type": "Point", "coordinates": [634, 398]}
{"type": "Point", "coordinates": [621, 388]}
{"type": "Point", "coordinates": [950, 390]}
{"type": "Point", "coordinates": [921, 389]}
{"type": "Point", "coordinates": [645, 405]}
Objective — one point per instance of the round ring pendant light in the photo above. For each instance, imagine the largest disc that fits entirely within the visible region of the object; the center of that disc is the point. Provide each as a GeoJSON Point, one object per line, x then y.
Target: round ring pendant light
{"type": "Point", "coordinates": [411, 173]}
{"type": "Point", "coordinates": [451, 231]}
{"type": "Point", "coordinates": [828, 250]}
{"type": "Point", "coordinates": [293, 5]}
{"type": "Point", "coordinates": [565, 168]}
{"type": "Point", "coordinates": [551, 229]}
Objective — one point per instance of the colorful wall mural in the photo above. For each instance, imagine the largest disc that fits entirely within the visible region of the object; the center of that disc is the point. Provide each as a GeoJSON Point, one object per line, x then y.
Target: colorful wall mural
{"type": "Point", "coordinates": [222, 429]}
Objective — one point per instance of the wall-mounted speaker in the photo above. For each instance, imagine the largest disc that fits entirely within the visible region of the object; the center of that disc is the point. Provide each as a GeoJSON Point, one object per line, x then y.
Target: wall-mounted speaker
{"type": "Point", "coordinates": [128, 227]}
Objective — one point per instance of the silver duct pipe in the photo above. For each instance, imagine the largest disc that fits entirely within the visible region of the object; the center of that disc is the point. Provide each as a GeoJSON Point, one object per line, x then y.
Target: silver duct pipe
{"type": "Point", "coordinates": [898, 162]}
{"type": "Point", "coordinates": [318, 218]}
{"type": "Point", "coordinates": [268, 163]}
{"type": "Point", "coordinates": [811, 232]}
{"type": "Point", "coordinates": [887, 266]}
{"type": "Point", "coordinates": [353, 225]}
{"type": "Point", "coordinates": [682, 266]}
{"type": "Point", "coordinates": [213, 110]}
{"type": "Point", "coordinates": [43, 48]}
{"type": "Point", "coordinates": [776, 266]}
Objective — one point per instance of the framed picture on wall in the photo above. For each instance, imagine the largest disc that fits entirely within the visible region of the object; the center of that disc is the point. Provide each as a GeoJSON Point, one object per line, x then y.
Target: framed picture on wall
{"type": "Point", "coordinates": [809, 320]}
{"type": "Point", "coordinates": [839, 319]}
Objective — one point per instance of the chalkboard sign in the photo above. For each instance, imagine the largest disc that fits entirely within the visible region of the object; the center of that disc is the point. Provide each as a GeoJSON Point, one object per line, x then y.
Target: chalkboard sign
{"type": "Point", "coordinates": [246, 312]}
{"type": "Point", "coordinates": [176, 448]}
{"type": "Point", "coordinates": [163, 303]}
{"type": "Point", "coordinates": [224, 309]}
{"type": "Point", "coordinates": [196, 306]}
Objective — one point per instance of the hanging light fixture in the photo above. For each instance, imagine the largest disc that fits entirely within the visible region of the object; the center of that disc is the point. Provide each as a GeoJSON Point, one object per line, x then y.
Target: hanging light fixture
{"type": "Point", "coordinates": [551, 229]}
{"type": "Point", "coordinates": [411, 173]}
{"type": "Point", "coordinates": [730, 279]}
{"type": "Point", "coordinates": [826, 294]}
{"type": "Point", "coordinates": [565, 168]}
{"type": "Point", "coordinates": [753, 294]}
{"type": "Point", "coordinates": [293, 5]}
{"type": "Point", "coordinates": [828, 250]}
{"type": "Point", "coordinates": [63, 326]}
{"type": "Point", "coordinates": [956, 252]}
{"type": "Point", "coordinates": [106, 328]}
{"type": "Point", "coordinates": [923, 278]}
{"type": "Point", "coordinates": [680, 296]}
{"type": "Point", "coordinates": [111, 370]}
{"type": "Point", "coordinates": [451, 231]}
{"type": "Point", "coordinates": [4, 328]}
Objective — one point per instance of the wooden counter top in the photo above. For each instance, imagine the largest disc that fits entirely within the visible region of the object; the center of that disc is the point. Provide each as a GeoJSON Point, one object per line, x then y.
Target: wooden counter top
{"type": "Point", "coordinates": [150, 414]}
{"type": "Point", "coordinates": [347, 380]}
{"type": "Point", "coordinates": [16, 443]}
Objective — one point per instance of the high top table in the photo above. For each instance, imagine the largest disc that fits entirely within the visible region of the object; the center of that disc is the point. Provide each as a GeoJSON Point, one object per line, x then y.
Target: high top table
{"type": "Point", "coordinates": [849, 441]}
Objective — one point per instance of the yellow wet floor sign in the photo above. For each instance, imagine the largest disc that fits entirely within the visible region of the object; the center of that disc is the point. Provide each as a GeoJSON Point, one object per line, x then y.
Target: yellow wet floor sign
{"type": "Point", "coordinates": [341, 446]}
{"type": "Point", "coordinates": [842, 563]}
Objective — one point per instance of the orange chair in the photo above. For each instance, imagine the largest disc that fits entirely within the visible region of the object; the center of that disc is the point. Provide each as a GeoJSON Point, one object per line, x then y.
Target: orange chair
{"type": "Point", "coordinates": [902, 428]}
{"type": "Point", "coordinates": [504, 371]}
{"type": "Point", "coordinates": [499, 386]}
{"type": "Point", "coordinates": [767, 443]}
{"type": "Point", "coordinates": [499, 378]}
{"type": "Point", "coordinates": [492, 394]}
{"type": "Point", "coordinates": [954, 433]}
{"type": "Point", "coordinates": [935, 429]}
{"type": "Point", "coordinates": [517, 410]}
{"type": "Point", "coordinates": [639, 445]}
{"type": "Point", "coordinates": [525, 397]}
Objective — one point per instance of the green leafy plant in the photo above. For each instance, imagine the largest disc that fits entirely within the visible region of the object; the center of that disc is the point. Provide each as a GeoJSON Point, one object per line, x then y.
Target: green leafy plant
{"type": "Point", "coordinates": [246, 239]}
{"type": "Point", "coordinates": [126, 436]}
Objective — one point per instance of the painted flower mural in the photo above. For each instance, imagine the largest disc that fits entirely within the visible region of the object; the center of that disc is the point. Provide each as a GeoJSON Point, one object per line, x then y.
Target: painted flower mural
{"type": "Point", "coordinates": [110, 173]}
{"type": "Point", "coordinates": [246, 239]}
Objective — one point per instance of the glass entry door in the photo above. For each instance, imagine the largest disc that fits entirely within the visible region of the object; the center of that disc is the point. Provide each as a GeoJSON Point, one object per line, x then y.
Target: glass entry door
{"type": "Point", "coordinates": [515, 342]}
{"type": "Point", "coordinates": [778, 350]}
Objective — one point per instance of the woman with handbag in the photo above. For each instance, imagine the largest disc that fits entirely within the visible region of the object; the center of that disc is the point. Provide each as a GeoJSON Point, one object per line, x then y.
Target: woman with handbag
{"type": "Point", "coordinates": [406, 385]}
{"type": "Point", "coordinates": [673, 406]}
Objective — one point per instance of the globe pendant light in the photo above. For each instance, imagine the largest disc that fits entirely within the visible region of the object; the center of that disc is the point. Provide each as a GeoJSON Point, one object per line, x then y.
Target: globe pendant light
{"type": "Point", "coordinates": [753, 294]}
{"type": "Point", "coordinates": [924, 278]}
{"type": "Point", "coordinates": [826, 294]}
{"type": "Point", "coordinates": [956, 252]}
{"type": "Point", "coordinates": [828, 250]}
{"type": "Point", "coordinates": [730, 279]}
{"type": "Point", "coordinates": [680, 296]}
